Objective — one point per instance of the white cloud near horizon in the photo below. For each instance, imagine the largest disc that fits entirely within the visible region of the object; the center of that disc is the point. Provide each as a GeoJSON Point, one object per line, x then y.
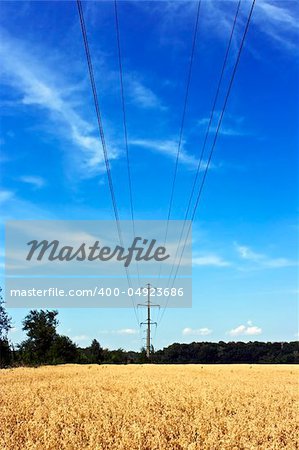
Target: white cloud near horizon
{"type": "Point", "coordinates": [196, 331]}
{"type": "Point", "coordinates": [80, 338]}
{"type": "Point", "coordinates": [127, 331]}
{"type": "Point", "coordinates": [245, 330]}
{"type": "Point", "coordinates": [122, 331]}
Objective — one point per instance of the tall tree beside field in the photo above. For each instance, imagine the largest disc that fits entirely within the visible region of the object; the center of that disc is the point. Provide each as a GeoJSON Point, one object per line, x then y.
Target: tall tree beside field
{"type": "Point", "coordinates": [5, 326]}
{"type": "Point", "coordinates": [96, 353]}
{"type": "Point", "coordinates": [62, 351]}
{"type": "Point", "coordinates": [40, 327]}
{"type": "Point", "coordinates": [5, 320]}
{"type": "Point", "coordinates": [44, 345]}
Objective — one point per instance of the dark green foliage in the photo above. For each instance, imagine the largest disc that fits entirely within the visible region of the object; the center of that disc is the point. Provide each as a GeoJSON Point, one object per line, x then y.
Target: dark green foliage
{"type": "Point", "coordinates": [118, 356]}
{"type": "Point", "coordinates": [142, 358]}
{"type": "Point", "coordinates": [5, 320]}
{"type": "Point", "coordinates": [5, 353]}
{"type": "Point", "coordinates": [5, 326]}
{"type": "Point", "coordinates": [44, 345]}
{"type": "Point", "coordinates": [230, 353]}
{"type": "Point", "coordinates": [95, 352]}
{"type": "Point", "coordinates": [40, 326]}
{"type": "Point", "coordinates": [62, 351]}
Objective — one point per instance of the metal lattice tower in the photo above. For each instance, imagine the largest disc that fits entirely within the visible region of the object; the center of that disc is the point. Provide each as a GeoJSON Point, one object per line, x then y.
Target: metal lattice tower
{"type": "Point", "coordinates": [149, 323]}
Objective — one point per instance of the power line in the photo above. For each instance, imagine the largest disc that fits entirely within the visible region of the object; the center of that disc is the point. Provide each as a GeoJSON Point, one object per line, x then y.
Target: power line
{"type": "Point", "coordinates": [101, 131]}
{"type": "Point", "coordinates": [184, 109]}
{"type": "Point", "coordinates": [182, 122]}
{"type": "Point", "coordinates": [219, 125]}
{"type": "Point", "coordinates": [207, 132]}
{"type": "Point", "coordinates": [215, 137]}
{"type": "Point", "coordinates": [98, 113]}
{"type": "Point", "coordinates": [125, 122]}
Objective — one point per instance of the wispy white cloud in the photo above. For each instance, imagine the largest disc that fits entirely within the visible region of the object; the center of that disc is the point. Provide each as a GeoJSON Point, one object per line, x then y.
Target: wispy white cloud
{"type": "Point", "coordinates": [141, 95]}
{"type": "Point", "coordinates": [62, 99]}
{"type": "Point", "coordinates": [5, 196]}
{"type": "Point", "coordinates": [281, 12]}
{"type": "Point", "coordinates": [196, 331]}
{"type": "Point", "coordinates": [127, 331]}
{"type": "Point", "coordinates": [246, 253]}
{"type": "Point", "coordinates": [245, 330]}
{"type": "Point", "coordinates": [80, 338]}
{"type": "Point", "coordinates": [261, 260]}
{"type": "Point", "coordinates": [210, 260]}
{"type": "Point", "coordinates": [169, 148]}
{"type": "Point", "coordinates": [279, 21]}
{"type": "Point", "coordinates": [122, 331]}
{"type": "Point", "coordinates": [18, 208]}
{"type": "Point", "coordinates": [33, 180]}
{"type": "Point", "coordinates": [232, 125]}
{"type": "Point", "coordinates": [277, 263]}
{"type": "Point", "coordinates": [36, 83]}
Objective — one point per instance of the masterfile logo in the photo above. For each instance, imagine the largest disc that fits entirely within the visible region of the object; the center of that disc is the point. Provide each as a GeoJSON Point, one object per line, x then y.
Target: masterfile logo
{"type": "Point", "coordinates": [55, 251]}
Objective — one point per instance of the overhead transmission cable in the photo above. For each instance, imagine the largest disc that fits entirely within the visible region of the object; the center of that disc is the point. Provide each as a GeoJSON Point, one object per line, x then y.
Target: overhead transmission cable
{"type": "Point", "coordinates": [184, 110]}
{"type": "Point", "coordinates": [101, 132]}
{"type": "Point", "coordinates": [189, 74]}
{"type": "Point", "coordinates": [125, 123]}
{"type": "Point", "coordinates": [199, 166]}
{"type": "Point", "coordinates": [215, 139]}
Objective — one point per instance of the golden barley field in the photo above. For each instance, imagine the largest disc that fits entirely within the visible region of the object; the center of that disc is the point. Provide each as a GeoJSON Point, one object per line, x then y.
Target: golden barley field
{"type": "Point", "coordinates": [149, 407]}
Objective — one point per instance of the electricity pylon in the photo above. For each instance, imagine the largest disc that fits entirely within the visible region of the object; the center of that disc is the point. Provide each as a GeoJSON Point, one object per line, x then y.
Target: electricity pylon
{"type": "Point", "coordinates": [148, 322]}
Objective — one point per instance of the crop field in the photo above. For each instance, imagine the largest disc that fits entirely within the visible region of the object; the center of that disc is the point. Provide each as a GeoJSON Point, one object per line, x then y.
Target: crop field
{"type": "Point", "coordinates": [148, 407]}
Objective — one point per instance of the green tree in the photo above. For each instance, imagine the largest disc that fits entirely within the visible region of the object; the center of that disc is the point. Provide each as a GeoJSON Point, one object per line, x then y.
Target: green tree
{"type": "Point", "coordinates": [5, 326]}
{"type": "Point", "coordinates": [5, 320]}
{"type": "Point", "coordinates": [62, 351]}
{"type": "Point", "coordinates": [95, 351]}
{"type": "Point", "coordinates": [40, 327]}
{"type": "Point", "coordinates": [5, 353]}
{"type": "Point", "coordinates": [117, 356]}
{"type": "Point", "coordinates": [142, 358]}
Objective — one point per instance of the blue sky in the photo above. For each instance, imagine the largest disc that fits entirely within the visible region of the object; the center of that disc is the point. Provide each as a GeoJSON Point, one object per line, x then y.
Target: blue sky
{"type": "Point", "coordinates": [245, 234]}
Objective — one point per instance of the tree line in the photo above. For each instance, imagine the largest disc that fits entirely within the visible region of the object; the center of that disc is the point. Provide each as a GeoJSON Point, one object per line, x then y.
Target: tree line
{"type": "Point", "coordinates": [45, 346]}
